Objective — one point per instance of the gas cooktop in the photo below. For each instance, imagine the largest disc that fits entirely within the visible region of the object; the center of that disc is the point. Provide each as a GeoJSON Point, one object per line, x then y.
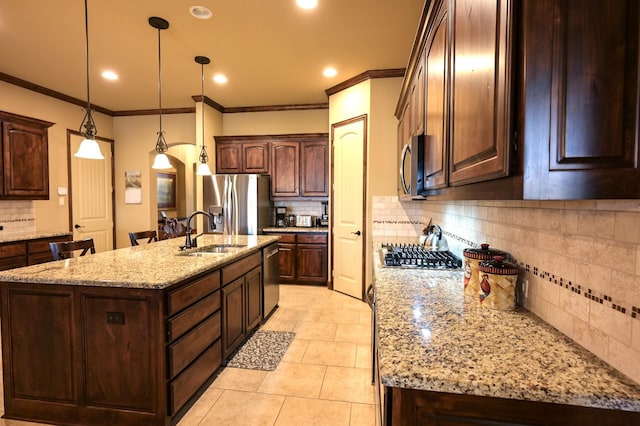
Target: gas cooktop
{"type": "Point", "coordinates": [416, 256]}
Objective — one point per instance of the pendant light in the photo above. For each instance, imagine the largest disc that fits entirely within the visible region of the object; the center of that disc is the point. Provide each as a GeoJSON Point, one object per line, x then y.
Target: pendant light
{"type": "Point", "coordinates": [203, 167]}
{"type": "Point", "coordinates": [161, 161]}
{"type": "Point", "coordinates": [89, 147]}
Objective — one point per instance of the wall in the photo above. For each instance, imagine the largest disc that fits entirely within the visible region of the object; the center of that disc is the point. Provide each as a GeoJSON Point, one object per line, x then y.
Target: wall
{"type": "Point", "coordinates": [275, 122]}
{"type": "Point", "coordinates": [48, 215]}
{"type": "Point", "coordinates": [580, 260]}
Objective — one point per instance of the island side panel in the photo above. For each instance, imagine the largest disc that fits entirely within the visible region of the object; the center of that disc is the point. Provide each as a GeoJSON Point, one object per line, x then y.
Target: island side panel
{"type": "Point", "coordinates": [106, 371]}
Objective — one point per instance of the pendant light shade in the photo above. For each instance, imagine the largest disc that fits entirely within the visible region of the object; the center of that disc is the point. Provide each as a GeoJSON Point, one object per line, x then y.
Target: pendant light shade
{"type": "Point", "coordinates": [203, 167]}
{"type": "Point", "coordinates": [89, 147]}
{"type": "Point", "coordinates": [161, 161]}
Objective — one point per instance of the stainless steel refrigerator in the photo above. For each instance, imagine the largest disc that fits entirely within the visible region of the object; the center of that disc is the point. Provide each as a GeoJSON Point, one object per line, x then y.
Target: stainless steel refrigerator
{"type": "Point", "coordinates": [241, 204]}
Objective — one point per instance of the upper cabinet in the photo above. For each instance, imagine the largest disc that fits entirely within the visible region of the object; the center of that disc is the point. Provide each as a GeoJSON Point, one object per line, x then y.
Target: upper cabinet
{"type": "Point", "coordinates": [480, 94]}
{"type": "Point", "coordinates": [285, 166]}
{"type": "Point", "coordinates": [298, 163]}
{"type": "Point", "coordinates": [581, 99]}
{"type": "Point", "coordinates": [436, 56]}
{"type": "Point", "coordinates": [537, 99]}
{"type": "Point", "coordinates": [235, 156]}
{"type": "Point", "coordinates": [25, 158]}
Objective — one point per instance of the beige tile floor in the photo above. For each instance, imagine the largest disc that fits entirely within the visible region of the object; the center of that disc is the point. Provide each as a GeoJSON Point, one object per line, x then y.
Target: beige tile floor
{"type": "Point", "coordinates": [323, 379]}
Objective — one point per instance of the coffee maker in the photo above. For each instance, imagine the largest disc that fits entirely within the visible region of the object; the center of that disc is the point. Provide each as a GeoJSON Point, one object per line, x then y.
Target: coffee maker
{"type": "Point", "coordinates": [281, 217]}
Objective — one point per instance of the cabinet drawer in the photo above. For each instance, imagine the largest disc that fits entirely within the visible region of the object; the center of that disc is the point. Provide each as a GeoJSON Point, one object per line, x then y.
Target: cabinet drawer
{"type": "Point", "coordinates": [190, 346]}
{"type": "Point", "coordinates": [312, 239]}
{"type": "Point", "coordinates": [191, 316]}
{"type": "Point", "coordinates": [12, 262]}
{"type": "Point", "coordinates": [190, 293]}
{"type": "Point", "coordinates": [287, 238]}
{"type": "Point", "coordinates": [11, 250]}
{"type": "Point", "coordinates": [42, 246]}
{"type": "Point", "coordinates": [36, 258]}
{"type": "Point", "coordinates": [241, 267]}
{"type": "Point", "coordinates": [187, 384]}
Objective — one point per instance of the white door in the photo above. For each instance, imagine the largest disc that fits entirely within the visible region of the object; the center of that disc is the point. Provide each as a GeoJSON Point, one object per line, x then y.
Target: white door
{"type": "Point", "coordinates": [91, 196]}
{"type": "Point", "coordinates": [349, 140]}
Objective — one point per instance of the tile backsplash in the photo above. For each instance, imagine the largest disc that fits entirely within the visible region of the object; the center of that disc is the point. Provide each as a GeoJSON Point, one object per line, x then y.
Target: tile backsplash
{"type": "Point", "coordinates": [17, 217]}
{"type": "Point", "coordinates": [579, 260]}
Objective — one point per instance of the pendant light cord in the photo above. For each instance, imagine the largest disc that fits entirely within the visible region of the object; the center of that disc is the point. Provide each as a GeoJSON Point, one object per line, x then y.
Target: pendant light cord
{"type": "Point", "coordinates": [86, 35]}
{"type": "Point", "coordinates": [202, 106]}
{"type": "Point", "coordinates": [159, 82]}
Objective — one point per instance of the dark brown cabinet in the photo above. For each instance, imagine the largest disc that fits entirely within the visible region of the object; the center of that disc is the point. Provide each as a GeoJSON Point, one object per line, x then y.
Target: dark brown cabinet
{"type": "Point", "coordinates": [235, 155]}
{"type": "Point", "coordinates": [30, 252]}
{"type": "Point", "coordinates": [241, 301]}
{"type": "Point", "coordinates": [303, 258]}
{"type": "Point", "coordinates": [480, 109]}
{"type": "Point", "coordinates": [580, 99]}
{"type": "Point", "coordinates": [314, 168]}
{"type": "Point", "coordinates": [436, 108]}
{"type": "Point", "coordinates": [527, 100]}
{"type": "Point", "coordinates": [25, 158]}
{"type": "Point", "coordinates": [285, 169]}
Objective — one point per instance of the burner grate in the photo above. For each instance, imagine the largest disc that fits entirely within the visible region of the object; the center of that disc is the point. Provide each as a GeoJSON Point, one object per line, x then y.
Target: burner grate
{"type": "Point", "coordinates": [415, 256]}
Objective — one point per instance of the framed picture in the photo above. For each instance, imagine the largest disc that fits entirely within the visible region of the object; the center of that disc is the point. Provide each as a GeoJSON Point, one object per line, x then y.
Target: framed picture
{"type": "Point", "coordinates": [166, 183]}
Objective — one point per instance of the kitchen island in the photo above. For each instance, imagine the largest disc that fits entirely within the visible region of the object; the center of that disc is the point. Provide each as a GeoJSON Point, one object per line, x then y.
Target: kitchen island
{"type": "Point", "coordinates": [130, 336]}
{"type": "Point", "coordinates": [443, 359]}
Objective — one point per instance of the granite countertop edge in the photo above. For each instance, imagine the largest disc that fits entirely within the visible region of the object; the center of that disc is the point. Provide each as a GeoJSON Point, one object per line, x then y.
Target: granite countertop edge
{"type": "Point", "coordinates": [30, 235]}
{"type": "Point", "coordinates": [433, 337]}
{"type": "Point", "coordinates": [148, 267]}
{"type": "Point", "coordinates": [294, 229]}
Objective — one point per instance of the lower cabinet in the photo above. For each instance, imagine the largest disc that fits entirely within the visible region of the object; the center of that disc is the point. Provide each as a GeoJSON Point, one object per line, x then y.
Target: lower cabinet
{"type": "Point", "coordinates": [241, 301]}
{"type": "Point", "coordinates": [303, 258]}
{"type": "Point", "coordinates": [28, 252]}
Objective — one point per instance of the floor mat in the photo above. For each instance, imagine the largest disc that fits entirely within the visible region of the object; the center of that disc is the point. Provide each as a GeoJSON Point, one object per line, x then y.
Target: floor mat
{"type": "Point", "coordinates": [263, 350]}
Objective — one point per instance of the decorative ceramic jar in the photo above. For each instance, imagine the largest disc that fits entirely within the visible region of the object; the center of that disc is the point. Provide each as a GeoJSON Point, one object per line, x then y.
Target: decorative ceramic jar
{"type": "Point", "coordinates": [498, 279]}
{"type": "Point", "coordinates": [473, 256]}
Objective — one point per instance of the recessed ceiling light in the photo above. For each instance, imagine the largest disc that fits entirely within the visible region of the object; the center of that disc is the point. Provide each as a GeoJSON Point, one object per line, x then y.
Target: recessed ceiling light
{"type": "Point", "coordinates": [200, 12]}
{"type": "Point", "coordinates": [110, 75]}
{"type": "Point", "coordinates": [307, 4]}
{"type": "Point", "coordinates": [329, 72]}
{"type": "Point", "coordinates": [220, 78]}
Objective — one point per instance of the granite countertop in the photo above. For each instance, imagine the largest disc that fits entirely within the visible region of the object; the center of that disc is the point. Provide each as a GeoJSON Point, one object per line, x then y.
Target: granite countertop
{"type": "Point", "coordinates": [431, 336]}
{"type": "Point", "coordinates": [31, 235]}
{"type": "Point", "coordinates": [294, 229]}
{"type": "Point", "coordinates": [149, 266]}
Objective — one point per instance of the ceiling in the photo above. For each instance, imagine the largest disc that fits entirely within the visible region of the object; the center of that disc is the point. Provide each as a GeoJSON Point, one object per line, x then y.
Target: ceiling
{"type": "Point", "coordinates": [272, 52]}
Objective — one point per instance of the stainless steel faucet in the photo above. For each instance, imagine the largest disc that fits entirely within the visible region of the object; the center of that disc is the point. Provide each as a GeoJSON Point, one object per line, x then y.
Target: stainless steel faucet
{"type": "Point", "coordinates": [188, 244]}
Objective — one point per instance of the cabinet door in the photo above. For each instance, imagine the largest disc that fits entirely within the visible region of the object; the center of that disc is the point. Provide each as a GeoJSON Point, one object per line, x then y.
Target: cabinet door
{"type": "Point", "coordinates": [287, 261]}
{"type": "Point", "coordinates": [314, 174]}
{"type": "Point", "coordinates": [228, 158]}
{"type": "Point", "coordinates": [480, 118]}
{"type": "Point", "coordinates": [285, 169]}
{"type": "Point", "coordinates": [253, 289]}
{"type": "Point", "coordinates": [581, 99]}
{"type": "Point", "coordinates": [25, 161]}
{"type": "Point", "coordinates": [436, 114]}
{"type": "Point", "coordinates": [233, 329]}
{"type": "Point", "coordinates": [312, 263]}
{"type": "Point", "coordinates": [416, 98]}
{"type": "Point", "coordinates": [255, 157]}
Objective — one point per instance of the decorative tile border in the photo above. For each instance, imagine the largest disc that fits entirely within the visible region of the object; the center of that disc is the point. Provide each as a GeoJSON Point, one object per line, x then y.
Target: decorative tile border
{"type": "Point", "coordinates": [592, 295]}
{"type": "Point", "coordinates": [29, 219]}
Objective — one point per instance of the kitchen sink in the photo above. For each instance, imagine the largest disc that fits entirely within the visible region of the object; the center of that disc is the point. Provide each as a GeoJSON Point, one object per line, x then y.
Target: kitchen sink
{"type": "Point", "coordinates": [212, 250]}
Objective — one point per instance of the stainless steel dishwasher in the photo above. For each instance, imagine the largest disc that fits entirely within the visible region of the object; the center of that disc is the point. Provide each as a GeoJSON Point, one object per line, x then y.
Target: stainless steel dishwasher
{"type": "Point", "coordinates": [271, 277]}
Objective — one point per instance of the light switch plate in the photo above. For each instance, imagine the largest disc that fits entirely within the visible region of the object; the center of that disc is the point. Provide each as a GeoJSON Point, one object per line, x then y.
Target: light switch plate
{"type": "Point", "coordinates": [62, 190]}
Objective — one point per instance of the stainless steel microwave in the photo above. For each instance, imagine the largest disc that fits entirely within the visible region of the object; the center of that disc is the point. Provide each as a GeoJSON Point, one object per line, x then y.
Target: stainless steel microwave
{"type": "Point", "coordinates": [412, 168]}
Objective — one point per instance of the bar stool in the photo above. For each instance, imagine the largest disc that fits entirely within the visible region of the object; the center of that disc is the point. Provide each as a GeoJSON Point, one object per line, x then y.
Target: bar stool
{"type": "Point", "coordinates": [66, 249]}
{"type": "Point", "coordinates": [141, 235]}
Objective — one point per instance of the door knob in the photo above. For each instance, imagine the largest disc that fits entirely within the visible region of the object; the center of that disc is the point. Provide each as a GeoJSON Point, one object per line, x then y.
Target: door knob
{"type": "Point", "coordinates": [356, 233]}
{"type": "Point", "coordinates": [78, 226]}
